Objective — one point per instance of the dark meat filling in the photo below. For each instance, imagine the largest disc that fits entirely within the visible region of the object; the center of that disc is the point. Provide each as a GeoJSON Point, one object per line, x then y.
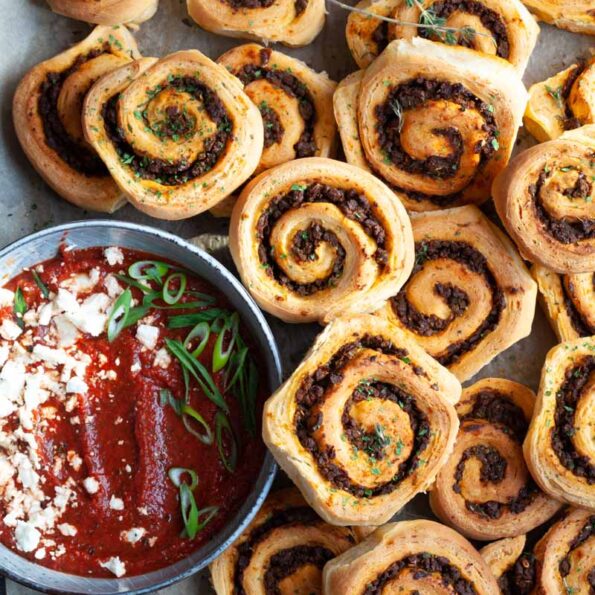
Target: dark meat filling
{"type": "Point", "coordinates": [312, 393]}
{"type": "Point", "coordinates": [299, 5]}
{"type": "Point", "coordinates": [427, 325]}
{"type": "Point", "coordinates": [585, 533]}
{"type": "Point", "coordinates": [565, 232]}
{"type": "Point", "coordinates": [567, 398]}
{"type": "Point", "coordinates": [353, 205]}
{"type": "Point", "coordinates": [77, 156]}
{"type": "Point", "coordinates": [520, 578]}
{"type": "Point", "coordinates": [286, 562]}
{"type": "Point", "coordinates": [423, 565]}
{"type": "Point", "coordinates": [166, 172]}
{"type": "Point", "coordinates": [292, 86]}
{"type": "Point", "coordinates": [414, 94]}
{"type": "Point", "coordinates": [571, 121]}
{"type": "Point", "coordinates": [580, 325]}
{"type": "Point", "coordinates": [489, 18]}
{"type": "Point", "coordinates": [380, 36]}
{"type": "Point", "coordinates": [283, 518]}
{"type": "Point", "coordinates": [273, 129]}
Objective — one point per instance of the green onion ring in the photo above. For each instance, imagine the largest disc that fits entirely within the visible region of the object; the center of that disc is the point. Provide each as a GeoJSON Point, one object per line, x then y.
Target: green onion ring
{"type": "Point", "coordinates": [117, 318]}
{"type": "Point", "coordinates": [221, 356]}
{"type": "Point", "coordinates": [177, 473]}
{"type": "Point", "coordinates": [170, 298]}
{"type": "Point", "coordinates": [222, 425]}
{"type": "Point", "coordinates": [203, 331]}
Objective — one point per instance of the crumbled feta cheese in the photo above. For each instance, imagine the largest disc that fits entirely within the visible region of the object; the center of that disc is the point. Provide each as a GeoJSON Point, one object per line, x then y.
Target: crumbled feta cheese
{"type": "Point", "coordinates": [76, 385]}
{"type": "Point", "coordinates": [26, 537]}
{"type": "Point", "coordinates": [91, 317]}
{"type": "Point", "coordinates": [66, 331]}
{"type": "Point", "coordinates": [75, 461]}
{"type": "Point", "coordinates": [10, 330]}
{"type": "Point", "coordinates": [113, 255]}
{"type": "Point", "coordinates": [44, 315]}
{"type": "Point", "coordinates": [162, 359]}
{"type": "Point", "coordinates": [134, 535]}
{"type": "Point", "coordinates": [147, 335]}
{"type": "Point", "coordinates": [40, 553]}
{"type": "Point", "coordinates": [115, 566]}
{"type": "Point", "coordinates": [114, 289]}
{"type": "Point", "coordinates": [91, 485]}
{"type": "Point", "coordinates": [82, 282]}
{"type": "Point", "coordinates": [66, 301]}
{"type": "Point", "coordinates": [49, 355]}
{"type": "Point", "coordinates": [12, 380]}
{"type": "Point", "coordinates": [67, 530]}
{"type": "Point", "coordinates": [116, 503]}
{"type": "Point", "coordinates": [6, 297]}
{"type": "Point", "coordinates": [135, 367]}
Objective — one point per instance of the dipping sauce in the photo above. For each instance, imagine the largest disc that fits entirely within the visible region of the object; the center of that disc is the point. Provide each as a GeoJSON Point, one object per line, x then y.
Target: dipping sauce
{"type": "Point", "coordinates": [109, 465]}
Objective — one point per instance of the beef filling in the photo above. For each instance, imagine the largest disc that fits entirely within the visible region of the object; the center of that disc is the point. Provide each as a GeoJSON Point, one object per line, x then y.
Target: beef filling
{"type": "Point", "coordinates": [520, 578]}
{"type": "Point", "coordinates": [585, 533]}
{"type": "Point", "coordinates": [77, 156]}
{"type": "Point", "coordinates": [423, 564]}
{"type": "Point", "coordinates": [166, 172]}
{"type": "Point", "coordinates": [430, 324]}
{"type": "Point", "coordinates": [299, 5]}
{"type": "Point", "coordinates": [273, 129]}
{"type": "Point", "coordinates": [580, 325]}
{"type": "Point", "coordinates": [489, 18]}
{"type": "Point", "coordinates": [570, 120]}
{"type": "Point", "coordinates": [415, 93]}
{"type": "Point", "coordinates": [312, 393]}
{"type": "Point", "coordinates": [567, 398]}
{"type": "Point", "coordinates": [286, 562]}
{"type": "Point", "coordinates": [353, 205]}
{"type": "Point", "coordinates": [562, 230]}
{"type": "Point", "coordinates": [380, 36]}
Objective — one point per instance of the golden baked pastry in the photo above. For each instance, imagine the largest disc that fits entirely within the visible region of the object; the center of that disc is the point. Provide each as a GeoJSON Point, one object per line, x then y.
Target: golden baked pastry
{"type": "Point", "coordinates": [282, 551]}
{"type": "Point", "coordinates": [47, 117]}
{"type": "Point", "coordinates": [559, 446]}
{"type": "Point", "coordinates": [178, 135]}
{"type": "Point", "coordinates": [410, 557]}
{"type": "Point", "coordinates": [316, 238]}
{"type": "Point", "coordinates": [545, 199]}
{"type": "Point", "coordinates": [562, 102]}
{"type": "Point", "coordinates": [106, 12]}
{"type": "Point", "coordinates": [568, 301]}
{"type": "Point", "coordinates": [503, 28]}
{"type": "Point", "coordinates": [295, 102]}
{"type": "Point", "coordinates": [469, 296]}
{"type": "Point", "coordinates": [364, 423]}
{"type": "Point", "coordinates": [573, 15]}
{"type": "Point", "coordinates": [514, 568]}
{"type": "Point", "coordinates": [435, 122]}
{"type": "Point", "coordinates": [484, 490]}
{"type": "Point", "coordinates": [291, 22]}
{"type": "Point", "coordinates": [566, 556]}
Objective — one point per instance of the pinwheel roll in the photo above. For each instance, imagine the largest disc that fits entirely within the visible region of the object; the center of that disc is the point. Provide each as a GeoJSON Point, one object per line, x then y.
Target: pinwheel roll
{"type": "Point", "coordinates": [291, 22]}
{"type": "Point", "coordinates": [563, 102]}
{"type": "Point", "coordinates": [283, 550]}
{"type": "Point", "coordinates": [485, 490]}
{"type": "Point", "coordinates": [410, 557]}
{"type": "Point", "coordinates": [295, 102]}
{"type": "Point", "coordinates": [315, 238]}
{"type": "Point", "coordinates": [106, 12]}
{"type": "Point", "coordinates": [436, 122]}
{"type": "Point", "coordinates": [566, 555]}
{"type": "Point", "coordinates": [364, 423]}
{"type": "Point", "coordinates": [569, 302]}
{"type": "Point", "coordinates": [559, 447]}
{"type": "Point", "coordinates": [47, 117]}
{"type": "Point", "coordinates": [573, 15]}
{"type": "Point", "coordinates": [503, 28]}
{"type": "Point", "coordinates": [514, 569]}
{"type": "Point", "coordinates": [469, 297]}
{"type": "Point", "coordinates": [545, 199]}
{"type": "Point", "coordinates": [179, 137]}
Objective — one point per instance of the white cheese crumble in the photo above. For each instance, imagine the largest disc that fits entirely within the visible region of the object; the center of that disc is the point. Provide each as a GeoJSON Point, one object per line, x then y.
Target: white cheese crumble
{"type": "Point", "coordinates": [133, 535]}
{"type": "Point", "coordinates": [26, 536]}
{"type": "Point", "coordinates": [147, 335]}
{"type": "Point", "coordinates": [6, 297]}
{"type": "Point", "coordinates": [162, 359]}
{"type": "Point", "coordinates": [91, 485]}
{"type": "Point", "coordinates": [77, 385]}
{"type": "Point", "coordinates": [115, 566]}
{"type": "Point", "coordinates": [67, 530]}
{"type": "Point", "coordinates": [116, 503]}
{"type": "Point", "coordinates": [10, 330]}
{"type": "Point", "coordinates": [113, 255]}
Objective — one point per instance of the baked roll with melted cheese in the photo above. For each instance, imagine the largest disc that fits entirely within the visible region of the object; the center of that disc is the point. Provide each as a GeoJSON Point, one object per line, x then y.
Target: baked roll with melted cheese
{"type": "Point", "coordinates": [106, 12]}
{"type": "Point", "coordinates": [573, 15]}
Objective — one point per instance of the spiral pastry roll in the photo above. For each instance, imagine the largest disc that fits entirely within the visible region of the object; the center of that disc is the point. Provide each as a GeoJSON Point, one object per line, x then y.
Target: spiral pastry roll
{"type": "Point", "coordinates": [563, 102]}
{"type": "Point", "coordinates": [469, 297]}
{"type": "Point", "coordinates": [410, 557]}
{"type": "Point", "coordinates": [485, 490]}
{"type": "Point", "coordinates": [503, 28]}
{"type": "Point", "coordinates": [291, 22]}
{"type": "Point", "coordinates": [514, 568]}
{"type": "Point", "coordinates": [559, 447]}
{"type": "Point", "coordinates": [573, 15]}
{"type": "Point", "coordinates": [364, 423]}
{"type": "Point", "coordinates": [295, 102]}
{"type": "Point", "coordinates": [316, 238]}
{"type": "Point", "coordinates": [47, 117]}
{"type": "Point", "coordinates": [179, 137]}
{"type": "Point", "coordinates": [106, 12]}
{"type": "Point", "coordinates": [545, 200]}
{"type": "Point", "coordinates": [436, 122]}
{"type": "Point", "coordinates": [568, 301]}
{"type": "Point", "coordinates": [283, 550]}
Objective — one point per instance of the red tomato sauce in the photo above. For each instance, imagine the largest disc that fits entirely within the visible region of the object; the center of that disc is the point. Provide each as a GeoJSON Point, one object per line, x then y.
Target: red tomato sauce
{"type": "Point", "coordinates": [128, 440]}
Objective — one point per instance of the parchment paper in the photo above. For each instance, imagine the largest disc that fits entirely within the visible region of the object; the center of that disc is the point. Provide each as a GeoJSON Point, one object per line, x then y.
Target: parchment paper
{"type": "Point", "coordinates": [30, 33]}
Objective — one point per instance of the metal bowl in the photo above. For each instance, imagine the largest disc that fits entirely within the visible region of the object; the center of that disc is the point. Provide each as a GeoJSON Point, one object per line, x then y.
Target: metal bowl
{"type": "Point", "coordinates": [43, 245]}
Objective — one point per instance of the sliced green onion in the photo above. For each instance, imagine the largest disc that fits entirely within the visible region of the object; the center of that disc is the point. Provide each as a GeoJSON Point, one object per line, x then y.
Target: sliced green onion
{"type": "Point", "coordinates": [19, 306]}
{"type": "Point", "coordinates": [174, 298]}
{"type": "Point", "coordinates": [132, 283]}
{"type": "Point", "coordinates": [236, 366]}
{"type": "Point", "coordinates": [198, 371]}
{"type": "Point", "coordinates": [219, 322]}
{"type": "Point", "coordinates": [176, 474]}
{"type": "Point", "coordinates": [149, 270]}
{"type": "Point", "coordinates": [187, 413]}
{"type": "Point", "coordinates": [202, 331]}
{"type": "Point", "coordinates": [189, 511]}
{"type": "Point", "coordinates": [205, 297]}
{"type": "Point", "coordinates": [135, 314]}
{"type": "Point", "coordinates": [117, 318]}
{"type": "Point", "coordinates": [45, 292]}
{"type": "Point", "coordinates": [209, 513]}
{"type": "Point", "coordinates": [221, 355]}
{"type": "Point", "coordinates": [222, 426]}
{"type": "Point", "coordinates": [184, 320]}
{"type": "Point", "coordinates": [183, 306]}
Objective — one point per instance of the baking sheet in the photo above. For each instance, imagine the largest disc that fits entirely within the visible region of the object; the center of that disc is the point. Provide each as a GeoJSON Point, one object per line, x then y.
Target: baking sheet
{"type": "Point", "coordinates": [30, 33]}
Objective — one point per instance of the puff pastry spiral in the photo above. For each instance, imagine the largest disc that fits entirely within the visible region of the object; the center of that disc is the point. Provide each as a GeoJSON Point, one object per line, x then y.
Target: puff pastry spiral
{"type": "Point", "coordinates": [573, 15]}
{"type": "Point", "coordinates": [106, 12]}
